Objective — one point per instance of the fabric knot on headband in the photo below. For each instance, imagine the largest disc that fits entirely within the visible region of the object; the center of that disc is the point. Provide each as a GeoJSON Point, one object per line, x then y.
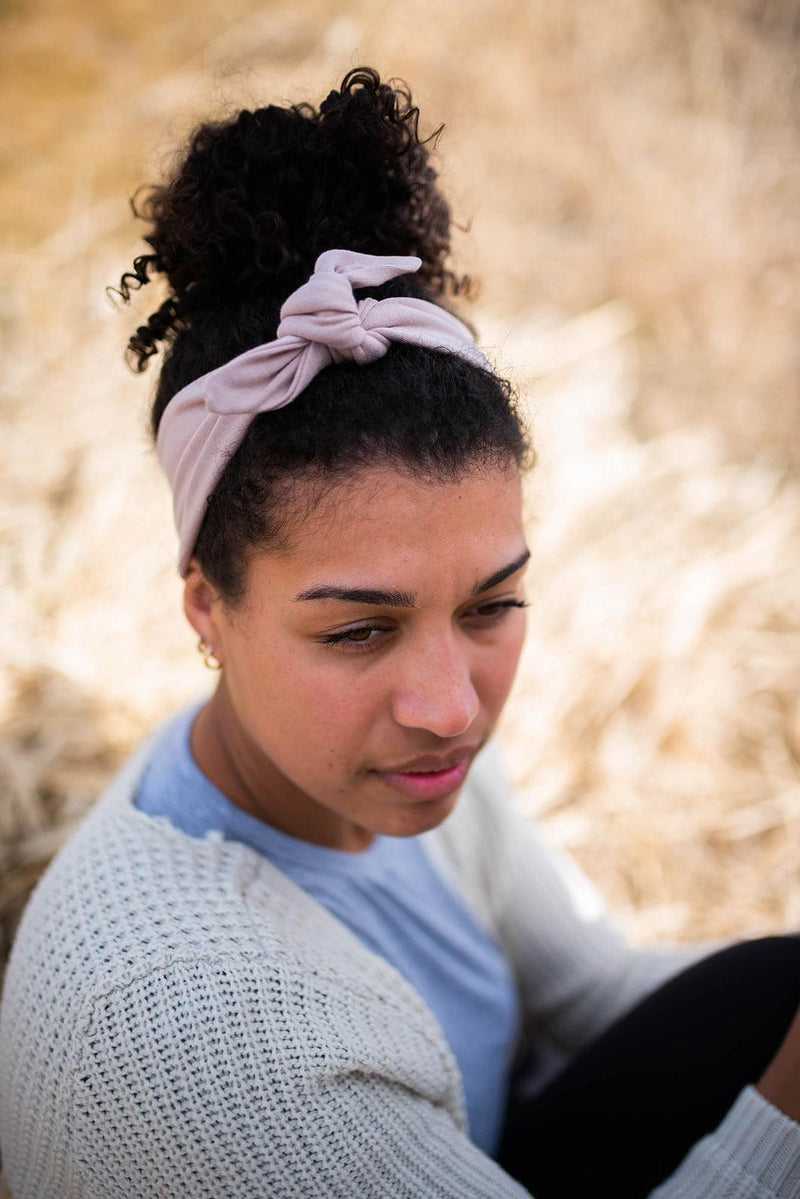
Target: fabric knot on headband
{"type": "Point", "coordinates": [321, 323]}
{"type": "Point", "coordinates": [325, 312]}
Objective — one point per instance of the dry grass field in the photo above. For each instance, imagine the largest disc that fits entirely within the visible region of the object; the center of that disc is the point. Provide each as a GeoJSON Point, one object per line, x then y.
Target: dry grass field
{"type": "Point", "coordinates": [625, 176]}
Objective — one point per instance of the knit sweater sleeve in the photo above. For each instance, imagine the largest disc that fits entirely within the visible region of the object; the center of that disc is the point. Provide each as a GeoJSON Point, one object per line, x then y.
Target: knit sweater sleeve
{"type": "Point", "coordinates": [222, 1077]}
{"type": "Point", "coordinates": [753, 1154]}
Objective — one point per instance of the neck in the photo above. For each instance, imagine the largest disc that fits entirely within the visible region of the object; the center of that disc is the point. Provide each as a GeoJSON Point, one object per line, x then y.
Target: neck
{"type": "Point", "coordinates": [230, 758]}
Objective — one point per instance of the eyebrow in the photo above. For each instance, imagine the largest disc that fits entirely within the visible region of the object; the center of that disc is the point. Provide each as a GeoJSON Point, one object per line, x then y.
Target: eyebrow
{"type": "Point", "coordinates": [500, 575]}
{"type": "Point", "coordinates": [403, 599]}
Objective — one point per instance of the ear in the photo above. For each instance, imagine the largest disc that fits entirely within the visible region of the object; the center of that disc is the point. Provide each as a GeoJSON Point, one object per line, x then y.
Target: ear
{"type": "Point", "coordinates": [201, 605]}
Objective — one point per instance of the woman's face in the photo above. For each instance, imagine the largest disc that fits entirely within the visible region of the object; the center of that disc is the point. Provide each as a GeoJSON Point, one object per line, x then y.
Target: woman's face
{"type": "Point", "coordinates": [368, 663]}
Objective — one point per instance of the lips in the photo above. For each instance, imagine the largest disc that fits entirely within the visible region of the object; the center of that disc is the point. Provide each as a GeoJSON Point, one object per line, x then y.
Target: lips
{"type": "Point", "coordinates": [431, 763]}
{"type": "Point", "coordinates": [432, 776]}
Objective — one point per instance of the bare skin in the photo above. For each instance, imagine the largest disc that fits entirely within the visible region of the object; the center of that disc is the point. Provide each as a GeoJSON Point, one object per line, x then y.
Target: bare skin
{"type": "Point", "coordinates": [328, 704]}
{"type": "Point", "coordinates": [780, 1082]}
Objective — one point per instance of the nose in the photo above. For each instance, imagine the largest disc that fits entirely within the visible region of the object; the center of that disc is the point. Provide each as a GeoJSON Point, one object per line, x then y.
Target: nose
{"type": "Point", "coordinates": [436, 691]}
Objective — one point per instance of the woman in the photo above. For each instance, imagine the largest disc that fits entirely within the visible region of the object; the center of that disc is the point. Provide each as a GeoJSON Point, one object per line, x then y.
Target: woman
{"type": "Point", "coordinates": [304, 946]}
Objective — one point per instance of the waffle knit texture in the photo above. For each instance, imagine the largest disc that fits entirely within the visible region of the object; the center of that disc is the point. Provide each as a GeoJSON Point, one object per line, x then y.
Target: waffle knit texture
{"type": "Point", "coordinates": [392, 897]}
{"type": "Point", "coordinates": [180, 1019]}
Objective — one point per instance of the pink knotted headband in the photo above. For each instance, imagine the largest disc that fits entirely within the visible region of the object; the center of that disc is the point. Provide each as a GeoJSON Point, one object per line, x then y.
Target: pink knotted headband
{"type": "Point", "coordinates": [321, 323]}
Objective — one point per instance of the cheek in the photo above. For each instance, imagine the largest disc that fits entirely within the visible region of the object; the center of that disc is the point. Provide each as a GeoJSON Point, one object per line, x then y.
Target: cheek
{"type": "Point", "coordinates": [498, 671]}
{"type": "Point", "coordinates": [294, 699]}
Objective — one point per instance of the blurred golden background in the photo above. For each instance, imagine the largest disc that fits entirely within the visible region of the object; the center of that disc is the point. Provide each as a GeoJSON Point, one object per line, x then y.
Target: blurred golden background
{"type": "Point", "coordinates": [624, 176]}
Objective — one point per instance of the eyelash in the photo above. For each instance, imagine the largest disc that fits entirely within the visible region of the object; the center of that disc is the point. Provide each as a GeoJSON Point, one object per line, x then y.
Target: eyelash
{"type": "Point", "coordinates": [489, 613]}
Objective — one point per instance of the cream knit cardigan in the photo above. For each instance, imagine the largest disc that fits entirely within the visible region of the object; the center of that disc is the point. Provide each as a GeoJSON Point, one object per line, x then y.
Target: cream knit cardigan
{"type": "Point", "coordinates": [181, 1021]}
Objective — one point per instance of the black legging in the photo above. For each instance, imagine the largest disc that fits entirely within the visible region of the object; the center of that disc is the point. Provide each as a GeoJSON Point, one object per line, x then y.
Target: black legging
{"type": "Point", "coordinates": [624, 1113]}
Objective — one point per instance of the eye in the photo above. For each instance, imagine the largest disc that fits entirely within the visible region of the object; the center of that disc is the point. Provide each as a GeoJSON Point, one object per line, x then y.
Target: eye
{"type": "Point", "coordinates": [492, 613]}
{"type": "Point", "coordinates": [358, 639]}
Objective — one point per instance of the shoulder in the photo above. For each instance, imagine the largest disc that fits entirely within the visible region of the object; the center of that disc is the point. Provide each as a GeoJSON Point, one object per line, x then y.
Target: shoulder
{"type": "Point", "coordinates": [140, 940]}
{"type": "Point", "coordinates": [168, 991]}
{"type": "Point", "coordinates": [130, 895]}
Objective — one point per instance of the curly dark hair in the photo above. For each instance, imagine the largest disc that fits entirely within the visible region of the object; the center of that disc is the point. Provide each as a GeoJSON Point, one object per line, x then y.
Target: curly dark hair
{"type": "Point", "coordinates": [251, 205]}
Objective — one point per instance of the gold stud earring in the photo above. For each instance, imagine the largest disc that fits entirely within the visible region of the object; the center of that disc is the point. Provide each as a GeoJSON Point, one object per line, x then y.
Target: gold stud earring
{"type": "Point", "coordinates": [209, 661]}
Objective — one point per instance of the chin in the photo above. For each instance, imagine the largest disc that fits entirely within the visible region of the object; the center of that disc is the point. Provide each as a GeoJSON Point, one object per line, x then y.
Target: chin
{"type": "Point", "coordinates": [419, 817]}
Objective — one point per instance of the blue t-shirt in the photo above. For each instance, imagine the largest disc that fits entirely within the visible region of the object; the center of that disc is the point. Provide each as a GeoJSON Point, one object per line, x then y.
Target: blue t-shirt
{"type": "Point", "coordinates": [394, 900]}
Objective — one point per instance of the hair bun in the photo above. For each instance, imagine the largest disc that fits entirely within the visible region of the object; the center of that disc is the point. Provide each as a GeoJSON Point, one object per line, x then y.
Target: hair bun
{"type": "Point", "coordinates": [256, 199]}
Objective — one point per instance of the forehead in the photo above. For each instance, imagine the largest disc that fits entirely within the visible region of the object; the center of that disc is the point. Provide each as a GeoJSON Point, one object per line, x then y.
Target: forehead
{"type": "Point", "coordinates": [381, 523]}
